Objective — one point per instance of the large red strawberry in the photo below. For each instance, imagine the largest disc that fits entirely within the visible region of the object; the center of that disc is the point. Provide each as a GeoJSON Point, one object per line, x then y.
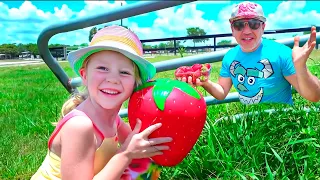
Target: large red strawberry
{"type": "Point", "coordinates": [201, 71]}
{"type": "Point", "coordinates": [178, 106]}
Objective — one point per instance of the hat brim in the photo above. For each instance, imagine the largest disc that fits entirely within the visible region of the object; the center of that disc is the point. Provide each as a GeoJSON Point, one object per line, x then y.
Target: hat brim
{"type": "Point", "coordinates": [76, 59]}
{"type": "Point", "coordinates": [261, 18]}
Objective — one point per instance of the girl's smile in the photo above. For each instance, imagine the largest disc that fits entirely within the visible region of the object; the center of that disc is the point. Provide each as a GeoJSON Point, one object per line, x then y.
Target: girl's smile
{"type": "Point", "coordinates": [109, 77]}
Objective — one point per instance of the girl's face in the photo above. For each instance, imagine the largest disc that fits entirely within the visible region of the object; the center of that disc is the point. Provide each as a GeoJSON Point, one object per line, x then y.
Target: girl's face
{"type": "Point", "coordinates": [109, 78]}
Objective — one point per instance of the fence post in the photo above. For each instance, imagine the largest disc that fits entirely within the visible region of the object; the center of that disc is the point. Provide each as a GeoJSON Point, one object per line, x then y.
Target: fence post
{"type": "Point", "coordinates": [175, 47]}
{"type": "Point", "coordinates": [214, 44]}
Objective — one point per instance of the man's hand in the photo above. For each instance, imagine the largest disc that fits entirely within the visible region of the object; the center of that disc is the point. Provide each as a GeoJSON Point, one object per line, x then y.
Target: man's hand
{"type": "Point", "coordinates": [305, 83]}
{"type": "Point", "coordinates": [192, 82]}
{"type": "Point", "coordinates": [300, 54]}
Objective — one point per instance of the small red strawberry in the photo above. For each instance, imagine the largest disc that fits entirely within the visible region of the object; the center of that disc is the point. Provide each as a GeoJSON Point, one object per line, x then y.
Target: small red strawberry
{"type": "Point", "coordinates": [196, 67]}
{"type": "Point", "coordinates": [205, 72]}
{"type": "Point", "coordinates": [178, 106]}
{"type": "Point", "coordinates": [181, 71]}
{"type": "Point", "coordinates": [201, 71]}
{"type": "Point", "coordinates": [196, 74]}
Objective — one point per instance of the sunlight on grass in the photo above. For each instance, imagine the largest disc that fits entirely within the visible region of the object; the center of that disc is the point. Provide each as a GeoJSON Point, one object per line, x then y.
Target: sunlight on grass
{"type": "Point", "coordinates": [280, 145]}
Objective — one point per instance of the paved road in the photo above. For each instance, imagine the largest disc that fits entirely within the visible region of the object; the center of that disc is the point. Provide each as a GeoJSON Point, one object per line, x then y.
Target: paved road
{"type": "Point", "coordinates": [20, 63]}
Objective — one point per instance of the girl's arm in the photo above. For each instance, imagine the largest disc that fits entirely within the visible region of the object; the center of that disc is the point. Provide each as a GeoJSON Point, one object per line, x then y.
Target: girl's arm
{"type": "Point", "coordinates": [77, 149]}
{"type": "Point", "coordinates": [77, 153]}
{"type": "Point", "coordinates": [137, 145]}
{"type": "Point", "coordinates": [123, 131]}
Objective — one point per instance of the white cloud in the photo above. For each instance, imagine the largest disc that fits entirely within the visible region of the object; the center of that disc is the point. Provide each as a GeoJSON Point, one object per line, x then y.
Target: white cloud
{"type": "Point", "coordinates": [64, 13]}
{"type": "Point", "coordinates": [24, 23]}
{"type": "Point", "coordinates": [82, 35]}
{"type": "Point", "coordinates": [3, 10]}
{"type": "Point", "coordinates": [212, 2]}
{"type": "Point", "coordinates": [186, 16]}
{"type": "Point", "coordinates": [99, 7]}
{"type": "Point", "coordinates": [174, 22]}
{"type": "Point", "coordinates": [25, 11]}
{"type": "Point", "coordinates": [291, 16]}
{"type": "Point", "coordinates": [148, 32]}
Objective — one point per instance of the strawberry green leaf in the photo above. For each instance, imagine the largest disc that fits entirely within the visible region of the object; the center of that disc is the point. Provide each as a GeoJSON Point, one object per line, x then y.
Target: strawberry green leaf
{"type": "Point", "coordinates": [145, 85]}
{"type": "Point", "coordinates": [163, 88]}
{"type": "Point", "coordinates": [161, 91]}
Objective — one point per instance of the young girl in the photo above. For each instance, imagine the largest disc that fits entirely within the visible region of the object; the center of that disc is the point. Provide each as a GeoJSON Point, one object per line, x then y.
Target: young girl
{"type": "Point", "coordinates": [84, 144]}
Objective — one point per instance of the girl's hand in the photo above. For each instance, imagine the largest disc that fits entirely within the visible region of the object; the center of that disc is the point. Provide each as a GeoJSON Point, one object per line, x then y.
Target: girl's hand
{"type": "Point", "coordinates": [138, 145]}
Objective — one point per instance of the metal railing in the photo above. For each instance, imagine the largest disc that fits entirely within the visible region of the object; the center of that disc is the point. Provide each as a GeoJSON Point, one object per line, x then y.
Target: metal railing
{"type": "Point", "coordinates": [113, 15]}
{"type": "Point", "coordinates": [71, 84]}
{"type": "Point", "coordinates": [214, 37]}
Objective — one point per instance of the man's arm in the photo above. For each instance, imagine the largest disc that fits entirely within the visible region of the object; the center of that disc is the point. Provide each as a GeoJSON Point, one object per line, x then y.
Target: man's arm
{"type": "Point", "coordinates": [307, 85]}
{"type": "Point", "coordinates": [218, 90]}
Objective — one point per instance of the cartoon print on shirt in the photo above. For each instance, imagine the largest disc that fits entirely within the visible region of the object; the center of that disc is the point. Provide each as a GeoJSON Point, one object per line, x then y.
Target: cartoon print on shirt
{"type": "Point", "coordinates": [246, 80]}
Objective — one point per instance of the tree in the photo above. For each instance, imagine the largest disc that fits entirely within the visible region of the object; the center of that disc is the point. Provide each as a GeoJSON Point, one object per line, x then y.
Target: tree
{"type": "Point", "coordinates": [92, 32]}
{"type": "Point", "coordinates": [224, 42]}
{"type": "Point", "coordinates": [21, 48]}
{"type": "Point", "coordinates": [170, 44]}
{"type": "Point", "coordinates": [196, 31]}
{"type": "Point", "coordinates": [146, 46]}
{"type": "Point", "coordinates": [32, 48]}
{"type": "Point", "coordinates": [10, 49]}
{"type": "Point", "coordinates": [84, 45]}
{"type": "Point", "coordinates": [162, 45]}
{"type": "Point", "coordinates": [56, 45]}
{"type": "Point", "coordinates": [182, 50]}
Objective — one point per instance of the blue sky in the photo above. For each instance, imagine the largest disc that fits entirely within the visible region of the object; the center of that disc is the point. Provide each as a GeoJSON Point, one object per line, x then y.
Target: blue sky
{"type": "Point", "coordinates": [22, 21]}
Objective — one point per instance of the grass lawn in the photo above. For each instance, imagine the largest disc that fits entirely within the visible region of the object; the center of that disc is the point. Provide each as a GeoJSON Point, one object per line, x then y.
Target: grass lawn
{"type": "Point", "coordinates": [282, 145]}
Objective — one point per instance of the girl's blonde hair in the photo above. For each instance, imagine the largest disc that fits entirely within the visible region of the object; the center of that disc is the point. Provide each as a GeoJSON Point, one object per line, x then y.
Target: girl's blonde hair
{"type": "Point", "coordinates": [78, 98]}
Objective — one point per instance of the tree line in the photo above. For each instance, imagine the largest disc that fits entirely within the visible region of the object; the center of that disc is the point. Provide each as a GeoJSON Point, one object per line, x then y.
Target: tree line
{"type": "Point", "coordinates": [15, 50]}
{"type": "Point", "coordinates": [191, 31]}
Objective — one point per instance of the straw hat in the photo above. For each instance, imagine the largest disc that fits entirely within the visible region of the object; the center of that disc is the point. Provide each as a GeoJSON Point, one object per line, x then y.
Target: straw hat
{"type": "Point", "coordinates": [119, 39]}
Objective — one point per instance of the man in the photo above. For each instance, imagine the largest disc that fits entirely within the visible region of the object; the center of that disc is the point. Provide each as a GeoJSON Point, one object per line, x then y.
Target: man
{"type": "Point", "coordinates": [262, 70]}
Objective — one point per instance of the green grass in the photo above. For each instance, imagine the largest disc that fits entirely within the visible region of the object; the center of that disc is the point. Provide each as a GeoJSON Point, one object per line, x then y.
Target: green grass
{"type": "Point", "coordinates": [282, 145]}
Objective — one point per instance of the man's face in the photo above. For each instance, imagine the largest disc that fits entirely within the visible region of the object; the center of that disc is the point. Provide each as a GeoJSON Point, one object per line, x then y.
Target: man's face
{"type": "Point", "coordinates": [248, 33]}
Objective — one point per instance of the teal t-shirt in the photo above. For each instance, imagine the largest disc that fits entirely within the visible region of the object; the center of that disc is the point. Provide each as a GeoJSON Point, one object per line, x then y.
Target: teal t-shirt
{"type": "Point", "coordinates": [259, 76]}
